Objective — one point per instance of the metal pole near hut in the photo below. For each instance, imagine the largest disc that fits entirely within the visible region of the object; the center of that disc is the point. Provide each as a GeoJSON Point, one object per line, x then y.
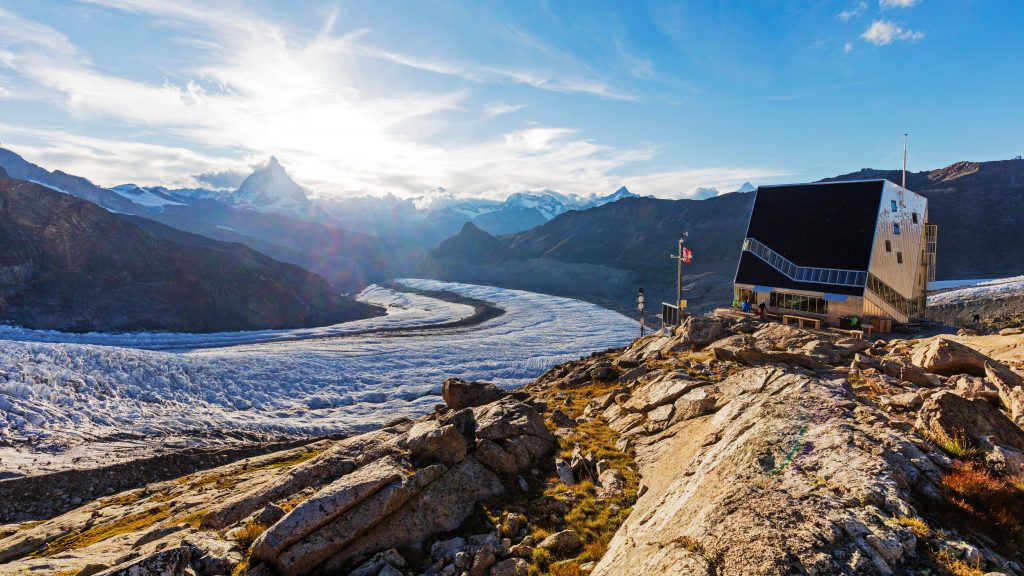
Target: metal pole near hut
{"type": "Point", "coordinates": [640, 308]}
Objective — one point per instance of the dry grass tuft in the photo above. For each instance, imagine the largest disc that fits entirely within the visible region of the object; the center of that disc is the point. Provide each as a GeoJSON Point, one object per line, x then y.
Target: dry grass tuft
{"type": "Point", "coordinates": [567, 568]}
{"type": "Point", "coordinates": [916, 525]}
{"type": "Point", "coordinates": [955, 566]}
{"type": "Point", "coordinates": [956, 446]}
{"type": "Point", "coordinates": [978, 500]}
{"type": "Point", "coordinates": [248, 534]}
{"type": "Point", "coordinates": [1017, 481]}
{"type": "Point", "coordinates": [124, 525]}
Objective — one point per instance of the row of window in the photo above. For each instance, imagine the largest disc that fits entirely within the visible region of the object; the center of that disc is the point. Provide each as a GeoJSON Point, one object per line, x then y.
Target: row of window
{"type": "Point", "coordinates": [798, 303]}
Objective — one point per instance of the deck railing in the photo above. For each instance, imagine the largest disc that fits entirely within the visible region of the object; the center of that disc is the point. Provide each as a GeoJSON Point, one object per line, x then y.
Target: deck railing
{"type": "Point", "coordinates": [833, 276]}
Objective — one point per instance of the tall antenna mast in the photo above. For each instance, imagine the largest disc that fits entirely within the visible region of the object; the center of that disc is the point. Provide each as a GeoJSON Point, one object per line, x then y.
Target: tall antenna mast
{"type": "Point", "coordinates": [904, 161]}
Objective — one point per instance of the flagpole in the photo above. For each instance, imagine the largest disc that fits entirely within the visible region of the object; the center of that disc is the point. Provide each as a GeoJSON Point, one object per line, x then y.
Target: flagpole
{"type": "Point", "coordinates": [904, 161]}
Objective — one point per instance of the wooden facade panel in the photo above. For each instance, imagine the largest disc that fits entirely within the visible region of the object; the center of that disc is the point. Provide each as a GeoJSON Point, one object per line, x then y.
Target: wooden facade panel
{"type": "Point", "coordinates": [906, 277]}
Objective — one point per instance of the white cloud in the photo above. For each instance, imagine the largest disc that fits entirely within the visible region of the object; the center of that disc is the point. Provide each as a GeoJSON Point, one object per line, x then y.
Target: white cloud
{"type": "Point", "coordinates": [848, 47]}
{"type": "Point", "coordinates": [855, 12]}
{"type": "Point", "coordinates": [700, 182]}
{"type": "Point", "coordinates": [896, 3]}
{"type": "Point", "coordinates": [109, 161]}
{"type": "Point", "coordinates": [882, 32]}
{"type": "Point", "coordinates": [258, 88]}
{"type": "Point", "coordinates": [702, 192]}
{"type": "Point", "coordinates": [499, 108]}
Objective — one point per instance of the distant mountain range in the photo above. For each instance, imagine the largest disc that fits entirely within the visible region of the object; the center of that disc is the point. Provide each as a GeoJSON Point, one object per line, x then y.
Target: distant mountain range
{"type": "Point", "coordinates": [439, 213]}
{"type": "Point", "coordinates": [352, 242]}
{"type": "Point", "coordinates": [597, 248]}
{"type": "Point", "coordinates": [604, 254]}
{"type": "Point", "coordinates": [68, 264]}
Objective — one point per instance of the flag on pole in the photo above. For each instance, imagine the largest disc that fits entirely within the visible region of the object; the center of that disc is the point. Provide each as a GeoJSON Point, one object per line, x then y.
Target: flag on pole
{"type": "Point", "coordinates": [687, 255]}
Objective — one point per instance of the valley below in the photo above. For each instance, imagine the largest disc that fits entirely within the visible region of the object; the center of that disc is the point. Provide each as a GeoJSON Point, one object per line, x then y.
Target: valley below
{"type": "Point", "coordinates": [86, 400]}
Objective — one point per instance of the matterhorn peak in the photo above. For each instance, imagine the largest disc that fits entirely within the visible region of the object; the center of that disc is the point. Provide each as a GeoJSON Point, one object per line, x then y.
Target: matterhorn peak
{"type": "Point", "coordinates": [270, 189]}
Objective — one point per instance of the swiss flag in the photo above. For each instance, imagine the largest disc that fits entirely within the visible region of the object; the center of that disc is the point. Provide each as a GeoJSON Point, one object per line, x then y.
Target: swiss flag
{"type": "Point", "coordinates": [687, 255]}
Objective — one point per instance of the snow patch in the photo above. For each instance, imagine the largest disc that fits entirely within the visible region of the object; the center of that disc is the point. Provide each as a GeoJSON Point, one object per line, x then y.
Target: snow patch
{"type": "Point", "coordinates": [982, 290]}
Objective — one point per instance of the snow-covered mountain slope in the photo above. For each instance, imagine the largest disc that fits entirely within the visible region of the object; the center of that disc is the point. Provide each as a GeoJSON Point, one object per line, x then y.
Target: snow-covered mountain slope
{"type": "Point", "coordinates": [985, 290]}
{"type": "Point", "coordinates": [440, 198]}
{"type": "Point", "coordinates": [52, 395]}
{"type": "Point", "coordinates": [150, 198]}
{"type": "Point", "coordinates": [270, 189]}
{"type": "Point", "coordinates": [619, 194]}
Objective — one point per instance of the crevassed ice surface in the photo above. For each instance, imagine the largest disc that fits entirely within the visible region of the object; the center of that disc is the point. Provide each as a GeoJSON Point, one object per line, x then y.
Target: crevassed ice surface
{"type": "Point", "coordinates": [404, 310]}
{"type": "Point", "coordinates": [53, 394]}
{"type": "Point", "coordinates": [987, 289]}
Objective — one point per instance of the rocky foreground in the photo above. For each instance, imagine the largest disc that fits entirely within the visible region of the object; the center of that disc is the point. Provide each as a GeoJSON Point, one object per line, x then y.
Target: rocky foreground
{"type": "Point", "coordinates": [728, 448]}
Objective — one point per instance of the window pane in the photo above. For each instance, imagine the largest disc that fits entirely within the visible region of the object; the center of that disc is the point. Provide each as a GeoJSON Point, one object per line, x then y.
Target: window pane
{"type": "Point", "coordinates": [893, 204]}
{"type": "Point", "coordinates": [896, 229]}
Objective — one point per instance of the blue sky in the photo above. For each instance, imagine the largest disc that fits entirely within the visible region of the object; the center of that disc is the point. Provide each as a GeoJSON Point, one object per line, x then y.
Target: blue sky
{"type": "Point", "coordinates": [484, 98]}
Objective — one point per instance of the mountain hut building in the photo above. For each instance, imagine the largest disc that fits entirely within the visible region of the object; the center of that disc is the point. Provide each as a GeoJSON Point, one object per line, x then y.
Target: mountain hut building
{"type": "Point", "coordinates": [837, 251]}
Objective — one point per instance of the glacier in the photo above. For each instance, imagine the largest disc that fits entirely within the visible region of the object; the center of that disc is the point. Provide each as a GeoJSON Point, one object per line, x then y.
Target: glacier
{"type": "Point", "coordinates": [339, 379]}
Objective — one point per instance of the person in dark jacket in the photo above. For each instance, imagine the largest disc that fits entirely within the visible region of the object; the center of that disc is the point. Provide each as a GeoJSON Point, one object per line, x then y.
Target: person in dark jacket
{"type": "Point", "coordinates": [762, 310]}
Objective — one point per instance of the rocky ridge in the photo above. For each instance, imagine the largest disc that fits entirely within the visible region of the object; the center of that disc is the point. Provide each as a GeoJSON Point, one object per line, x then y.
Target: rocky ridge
{"type": "Point", "coordinates": [726, 448]}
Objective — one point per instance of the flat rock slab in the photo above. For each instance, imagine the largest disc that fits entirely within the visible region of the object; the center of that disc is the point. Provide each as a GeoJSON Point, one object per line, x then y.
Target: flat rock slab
{"type": "Point", "coordinates": [315, 548]}
{"type": "Point", "coordinates": [326, 505]}
{"type": "Point", "coordinates": [441, 507]}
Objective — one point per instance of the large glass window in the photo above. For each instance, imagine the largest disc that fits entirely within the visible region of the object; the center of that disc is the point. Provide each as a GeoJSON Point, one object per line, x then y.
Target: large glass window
{"type": "Point", "coordinates": [798, 303]}
{"type": "Point", "coordinates": [744, 295]}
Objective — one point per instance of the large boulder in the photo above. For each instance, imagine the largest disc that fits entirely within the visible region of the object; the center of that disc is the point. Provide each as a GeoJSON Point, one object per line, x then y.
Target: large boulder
{"type": "Point", "coordinates": [429, 441]}
{"type": "Point", "coordinates": [1009, 387]}
{"type": "Point", "coordinates": [459, 394]}
{"type": "Point", "coordinates": [741, 348]}
{"type": "Point", "coordinates": [511, 567]}
{"type": "Point", "coordinates": [695, 333]}
{"type": "Point", "coordinates": [508, 418]}
{"type": "Point", "coordinates": [642, 349]}
{"type": "Point", "coordinates": [950, 414]}
{"type": "Point", "coordinates": [948, 357]}
{"type": "Point", "coordinates": [906, 372]}
{"type": "Point", "coordinates": [659, 393]}
{"type": "Point", "coordinates": [562, 544]}
{"type": "Point", "coordinates": [510, 436]}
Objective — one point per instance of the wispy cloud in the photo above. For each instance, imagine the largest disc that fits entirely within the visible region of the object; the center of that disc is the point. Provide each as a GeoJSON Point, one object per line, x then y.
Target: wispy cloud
{"type": "Point", "coordinates": [847, 47]}
{"type": "Point", "coordinates": [112, 161]}
{"type": "Point", "coordinates": [258, 87]}
{"type": "Point", "coordinates": [500, 108]}
{"type": "Point", "coordinates": [883, 32]}
{"type": "Point", "coordinates": [897, 3]}
{"type": "Point", "coordinates": [855, 12]}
